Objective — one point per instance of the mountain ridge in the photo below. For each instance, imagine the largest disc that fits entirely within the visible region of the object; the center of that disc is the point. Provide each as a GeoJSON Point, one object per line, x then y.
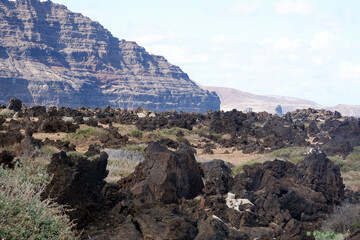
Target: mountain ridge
{"type": "Point", "coordinates": [236, 99]}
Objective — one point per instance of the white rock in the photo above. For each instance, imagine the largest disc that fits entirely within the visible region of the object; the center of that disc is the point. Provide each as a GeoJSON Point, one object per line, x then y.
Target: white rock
{"type": "Point", "coordinates": [231, 202]}
{"type": "Point", "coordinates": [216, 217]}
{"type": "Point", "coordinates": [141, 115]}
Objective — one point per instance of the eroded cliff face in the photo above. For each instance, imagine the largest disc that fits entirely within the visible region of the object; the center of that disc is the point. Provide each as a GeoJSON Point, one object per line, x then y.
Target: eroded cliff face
{"type": "Point", "coordinates": [52, 56]}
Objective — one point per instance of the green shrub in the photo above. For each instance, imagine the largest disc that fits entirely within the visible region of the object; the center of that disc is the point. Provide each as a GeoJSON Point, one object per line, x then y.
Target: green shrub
{"type": "Point", "coordinates": [291, 154]}
{"type": "Point", "coordinates": [137, 134]}
{"type": "Point", "coordinates": [216, 136]}
{"type": "Point", "coordinates": [49, 150]}
{"type": "Point", "coordinates": [7, 113]}
{"type": "Point", "coordinates": [327, 235]}
{"type": "Point", "coordinates": [75, 154]}
{"type": "Point", "coordinates": [81, 134]}
{"type": "Point", "coordinates": [171, 132]}
{"type": "Point", "coordinates": [22, 213]}
{"type": "Point", "coordinates": [135, 148]}
{"type": "Point", "coordinates": [239, 168]}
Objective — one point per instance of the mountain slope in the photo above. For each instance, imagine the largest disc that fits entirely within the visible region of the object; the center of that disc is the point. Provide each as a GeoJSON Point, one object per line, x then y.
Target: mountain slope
{"type": "Point", "coordinates": [52, 56]}
{"type": "Point", "coordinates": [236, 99]}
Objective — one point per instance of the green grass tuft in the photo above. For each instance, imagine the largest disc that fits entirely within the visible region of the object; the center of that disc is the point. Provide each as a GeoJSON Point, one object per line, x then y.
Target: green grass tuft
{"type": "Point", "coordinates": [137, 134]}
{"type": "Point", "coordinates": [75, 154]}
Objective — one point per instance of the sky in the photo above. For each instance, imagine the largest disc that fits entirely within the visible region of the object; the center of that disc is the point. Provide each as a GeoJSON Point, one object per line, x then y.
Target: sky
{"type": "Point", "coordinates": [296, 48]}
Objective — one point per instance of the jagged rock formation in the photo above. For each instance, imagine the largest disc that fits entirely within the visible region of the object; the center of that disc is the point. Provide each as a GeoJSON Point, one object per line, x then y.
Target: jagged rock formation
{"type": "Point", "coordinates": [52, 56]}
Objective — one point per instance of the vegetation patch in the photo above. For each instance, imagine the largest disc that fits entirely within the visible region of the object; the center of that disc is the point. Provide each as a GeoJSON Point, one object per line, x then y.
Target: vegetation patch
{"type": "Point", "coordinates": [86, 136]}
{"type": "Point", "coordinates": [75, 154]}
{"type": "Point", "coordinates": [7, 113]}
{"type": "Point", "coordinates": [22, 213]}
{"type": "Point", "coordinates": [137, 134]}
{"type": "Point", "coordinates": [291, 154]}
{"type": "Point", "coordinates": [48, 151]}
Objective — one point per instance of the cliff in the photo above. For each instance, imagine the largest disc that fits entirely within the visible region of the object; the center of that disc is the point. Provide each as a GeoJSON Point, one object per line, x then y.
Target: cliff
{"type": "Point", "coordinates": [52, 56]}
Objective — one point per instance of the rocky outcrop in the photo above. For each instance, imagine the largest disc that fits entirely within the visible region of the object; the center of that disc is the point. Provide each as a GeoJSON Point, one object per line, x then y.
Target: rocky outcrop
{"type": "Point", "coordinates": [217, 176]}
{"type": "Point", "coordinates": [294, 198]}
{"type": "Point", "coordinates": [52, 56]}
{"type": "Point", "coordinates": [164, 176]}
{"type": "Point", "coordinates": [7, 160]}
{"type": "Point", "coordinates": [77, 183]}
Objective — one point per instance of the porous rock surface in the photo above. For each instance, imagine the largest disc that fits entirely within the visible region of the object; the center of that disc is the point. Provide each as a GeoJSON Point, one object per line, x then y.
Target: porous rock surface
{"type": "Point", "coordinates": [52, 56]}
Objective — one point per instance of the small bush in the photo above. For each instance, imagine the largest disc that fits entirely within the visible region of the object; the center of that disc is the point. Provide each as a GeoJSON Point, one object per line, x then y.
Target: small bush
{"type": "Point", "coordinates": [327, 235]}
{"type": "Point", "coordinates": [137, 134]}
{"type": "Point", "coordinates": [22, 213]}
{"type": "Point", "coordinates": [85, 137]}
{"type": "Point", "coordinates": [7, 113]}
{"type": "Point", "coordinates": [49, 150]}
{"type": "Point", "coordinates": [344, 219]}
{"type": "Point", "coordinates": [291, 154]}
{"type": "Point", "coordinates": [215, 136]}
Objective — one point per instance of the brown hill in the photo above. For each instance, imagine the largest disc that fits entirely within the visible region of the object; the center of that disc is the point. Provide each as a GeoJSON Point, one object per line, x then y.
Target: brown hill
{"type": "Point", "coordinates": [243, 101]}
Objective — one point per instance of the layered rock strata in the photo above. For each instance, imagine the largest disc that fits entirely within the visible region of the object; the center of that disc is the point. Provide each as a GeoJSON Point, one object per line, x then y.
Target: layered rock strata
{"type": "Point", "coordinates": [52, 56]}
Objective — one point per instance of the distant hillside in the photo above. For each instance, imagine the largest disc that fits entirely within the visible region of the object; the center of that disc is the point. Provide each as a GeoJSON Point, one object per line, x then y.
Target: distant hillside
{"type": "Point", "coordinates": [52, 56]}
{"type": "Point", "coordinates": [235, 99]}
{"type": "Point", "coordinates": [232, 98]}
{"type": "Point", "coordinates": [346, 110]}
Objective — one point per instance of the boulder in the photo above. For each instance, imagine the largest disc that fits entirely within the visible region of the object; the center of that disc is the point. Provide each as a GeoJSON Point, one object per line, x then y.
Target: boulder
{"type": "Point", "coordinates": [288, 196]}
{"type": "Point", "coordinates": [15, 104]}
{"type": "Point", "coordinates": [322, 175]}
{"type": "Point", "coordinates": [10, 138]}
{"type": "Point", "coordinates": [217, 176]}
{"type": "Point", "coordinates": [7, 160]}
{"type": "Point", "coordinates": [77, 183]}
{"type": "Point", "coordinates": [93, 149]}
{"type": "Point", "coordinates": [164, 176]}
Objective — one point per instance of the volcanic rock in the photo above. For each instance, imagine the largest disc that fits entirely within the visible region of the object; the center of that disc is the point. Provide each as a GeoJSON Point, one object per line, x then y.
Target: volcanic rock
{"type": "Point", "coordinates": [15, 104]}
{"type": "Point", "coordinates": [164, 176]}
{"type": "Point", "coordinates": [7, 160]}
{"type": "Point", "coordinates": [77, 183]}
{"type": "Point", "coordinates": [217, 176]}
{"type": "Point", "coordinates": [294, 196]}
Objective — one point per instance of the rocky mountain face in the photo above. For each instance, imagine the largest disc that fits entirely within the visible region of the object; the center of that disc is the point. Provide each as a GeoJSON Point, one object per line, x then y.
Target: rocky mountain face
{"type": "Point", "coordinates": [52, 56]}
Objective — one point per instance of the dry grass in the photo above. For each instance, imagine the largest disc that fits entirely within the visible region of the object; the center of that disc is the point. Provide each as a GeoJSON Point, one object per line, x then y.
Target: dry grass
{"type": "Point", "coordinates": [51, 136]}
{"type": "Point", "coordinates": [344, 219]}
{"type": "Point", "coordinates": [83, 137]}
{"type": "Point", "coordinates": [123, 161]}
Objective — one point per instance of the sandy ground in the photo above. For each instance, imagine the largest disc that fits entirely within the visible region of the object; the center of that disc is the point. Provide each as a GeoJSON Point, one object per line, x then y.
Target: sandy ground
{"type": "Point", "coordinates": [235, 158]}
{"type": "Point", "coordinates": [51, 136]}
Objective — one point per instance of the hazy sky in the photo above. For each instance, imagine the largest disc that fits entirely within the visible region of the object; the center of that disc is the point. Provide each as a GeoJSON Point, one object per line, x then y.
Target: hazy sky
{"type": "Point", "coordinates": [299, 48]}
